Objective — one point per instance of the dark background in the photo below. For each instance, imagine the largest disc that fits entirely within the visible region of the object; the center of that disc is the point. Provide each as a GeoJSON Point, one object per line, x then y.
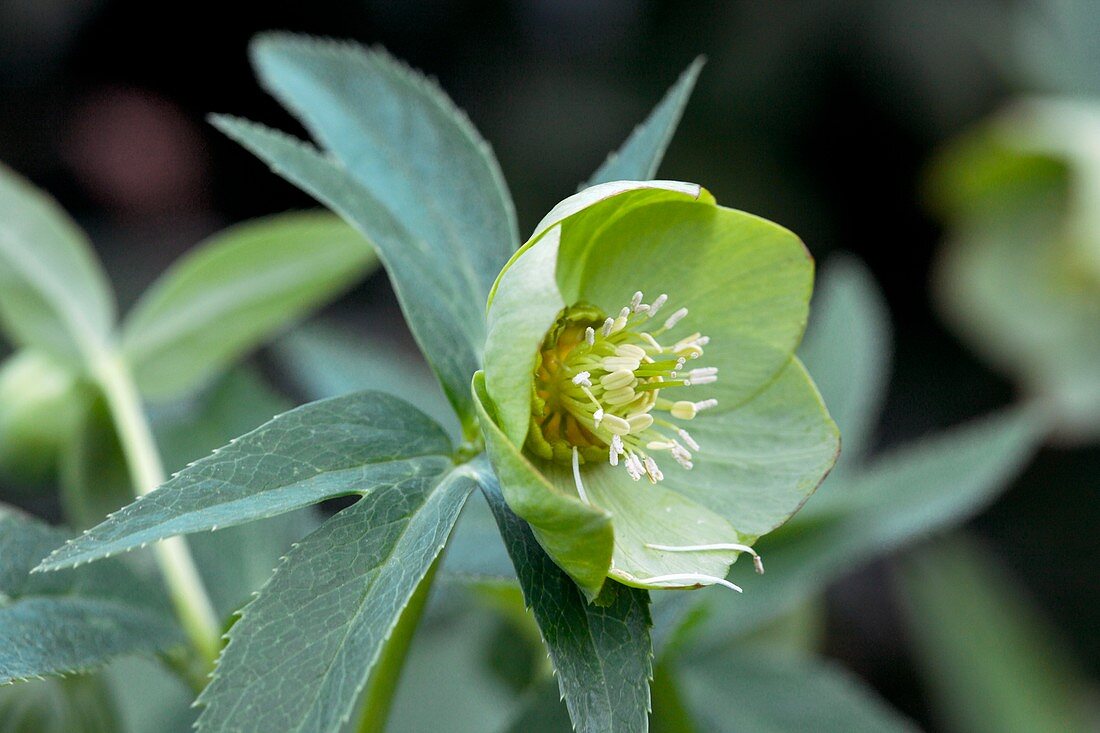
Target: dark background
{"type": "Point", "coordinates": [819, 115]}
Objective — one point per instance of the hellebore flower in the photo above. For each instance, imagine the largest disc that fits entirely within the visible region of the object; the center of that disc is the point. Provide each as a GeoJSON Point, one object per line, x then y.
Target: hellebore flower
{"type": "Point", "coordinates": [641, 401]}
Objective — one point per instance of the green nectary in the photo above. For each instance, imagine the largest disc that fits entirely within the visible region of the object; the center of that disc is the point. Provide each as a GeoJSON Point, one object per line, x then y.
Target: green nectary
{"type": "Point", "coordinates": [596, 362]}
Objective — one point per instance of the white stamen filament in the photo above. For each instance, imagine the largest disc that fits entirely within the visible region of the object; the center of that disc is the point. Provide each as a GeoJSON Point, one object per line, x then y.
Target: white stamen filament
{"type": "Point", "coordinates": [686, 437]}
{"type": "Point", "coordinates": [676, 317]}
{"type": "Point", "coordinates": [652, 470]}
{"type": "Point", "coordinates": [699, 578]}
{"type": "Point", "coordinates": [757, 561]}
{"type": "Point", "coordinates": [577, 476]}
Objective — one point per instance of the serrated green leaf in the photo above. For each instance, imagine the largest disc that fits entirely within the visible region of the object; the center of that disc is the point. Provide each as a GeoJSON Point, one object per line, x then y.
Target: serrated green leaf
{"type": "Point", "coordinates": [601, 651]}
{"type": "Point", "coordinates": [445, 318]}
{"type": "Point", "coordinates": [54, 295]}
{"type": "Point", "coordinates": [756, 690]}
{"type": "Point", "coordinates": [236, 561]}
{"type": "Point", "coordinates": [74, 620]}
{"type": "Point", "coordinates": [410, 172]}
{"type": "Point", "coordinates": [78, 704]}
{"type": "Point", "coordinates": [990, 662]}
{"type": "Point", "coordinates": [326, 360]}
{"type": "Point", "coordinates": [930, 485]}
{"type": "Point", "coordinates": [302, 651]}
{"type": "Point", "coordinates": [231, 293]}
{"type": "Point", "coordinates": [641, 154]}
{"type": "Point", "coordinates": [847, 350]}
{"type": "Point", "coordinates": [335, 447]}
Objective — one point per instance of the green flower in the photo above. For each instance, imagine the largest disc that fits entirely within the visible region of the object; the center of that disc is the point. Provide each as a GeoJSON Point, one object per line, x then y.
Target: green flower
{"type": "Point", "coordinates": [641, 401]}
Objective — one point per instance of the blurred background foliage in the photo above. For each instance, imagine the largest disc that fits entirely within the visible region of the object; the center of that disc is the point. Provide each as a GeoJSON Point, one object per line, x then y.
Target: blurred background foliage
{"type": "Point", "coordinates": [903, 131]}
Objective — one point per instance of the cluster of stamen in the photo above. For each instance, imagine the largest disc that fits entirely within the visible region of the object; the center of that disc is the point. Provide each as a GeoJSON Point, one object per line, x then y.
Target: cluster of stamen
{"type": "Point", "coordinates": [601, 384]}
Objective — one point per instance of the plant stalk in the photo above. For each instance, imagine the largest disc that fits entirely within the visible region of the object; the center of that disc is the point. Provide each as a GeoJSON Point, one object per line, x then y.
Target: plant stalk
{"type": "Point", "coordinates": [186, 590]}
{"type": "Point", "coordinates": [377, 699]}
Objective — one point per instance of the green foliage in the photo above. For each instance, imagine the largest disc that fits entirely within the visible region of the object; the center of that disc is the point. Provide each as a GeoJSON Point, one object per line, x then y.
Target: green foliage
{"type": "Point", "coordinates": [335, 447]}
{"type": "Point", "coordinates": [236, 561]}
{"type": "Point", "coordinates": [54, 295]}
{"type": "Point", "coordinates": [600, 650]}
{"type": "Point", "coordinates": [394, 175]}
{"type": "Point", "coordinates": [76, 704]}
{"type": "Point", "coordinates": [847, 349]}
{"type": "Point", "coordinates": [759, 691]}
{"type": "Point", "coordinates": [40, 406]}
{"type": "Point", "coordinates": [74, 620]}
{"type": "Point", "coordinates": [992, 665]}
{"type": "Point", "coordinates": [328, 360]}
{"type": "Point", "coordinates": [312, 635]}
{"type": "Point", "coordinates": [231, 293]}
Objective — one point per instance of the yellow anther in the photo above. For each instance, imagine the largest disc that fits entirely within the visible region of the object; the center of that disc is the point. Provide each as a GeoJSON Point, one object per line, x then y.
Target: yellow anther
{"type": "Point", "coordinates": [630, 350]}
{"type": "Point", "coordinates": [616, 425]}
{"type": "Point", "coordinates": [619, 396]}
{"type": "Point", "coordinates": [683, 410]}
{"type": "Point", "coordinates": [616, 379]}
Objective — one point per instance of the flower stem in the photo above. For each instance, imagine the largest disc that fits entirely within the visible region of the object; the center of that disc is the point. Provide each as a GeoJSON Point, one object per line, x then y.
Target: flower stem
{"type": "Point", "coordinates": [185, 587]}
{"type": "Point", "coordinates": [377, 699]}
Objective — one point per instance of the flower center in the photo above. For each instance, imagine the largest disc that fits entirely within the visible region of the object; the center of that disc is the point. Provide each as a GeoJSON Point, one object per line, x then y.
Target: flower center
{"type": "Point", "coordinates": [600, 386]}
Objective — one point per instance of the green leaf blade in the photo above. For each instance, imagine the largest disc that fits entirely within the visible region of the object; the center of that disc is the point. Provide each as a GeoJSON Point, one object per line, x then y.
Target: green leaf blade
{"type": "Point", "coordinates": [51, 636]}
{"type": "Point", "coordinates": [318, 626]}
{"type": "Point", "coordinates": [54, 295]}
{"type": "Point", "coordinates": [410, 147]}
{"type": "Point", "coordinates": [641, 154]}
{"type": "Point", "coordinates": [990, 662]}
{"type": "Point", "coordinates": [410, 171]}
{"type": "Point", "coordinates": [756, 689]}
{"type": "Point", "coordinates": [74, 620]}
{"type": "Point", "coordinates": [233, 292]}
{"type": "Point", "coordinates": [847, 350]}
{"type": "Point", "coordinates": [334, 447]}
{"type": "Point", "coordinates": [447, 321]}
{"type": "Point", "coordinates": [601, 653]}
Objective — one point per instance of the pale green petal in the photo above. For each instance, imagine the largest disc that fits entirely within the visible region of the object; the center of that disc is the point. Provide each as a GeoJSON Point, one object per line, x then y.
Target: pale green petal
{"type": "Point", "coordinates": [745, 281]}
{"type": "Point", "coordinates": [652, 514]}
{"type": "Point", "coordinates": [760, 462]}
{"type": "Point", "coordinates": [526, 305]}
{"type": "Point", "coordinates": [578, 537]}
{"type": "Point", "coordinates": [603, 203]}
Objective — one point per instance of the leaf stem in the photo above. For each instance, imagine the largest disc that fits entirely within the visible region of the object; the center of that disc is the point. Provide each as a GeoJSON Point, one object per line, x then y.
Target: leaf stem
{"type": "Point", "coordinates": [377, 699]}
{"type": "Point", "coordinates": [185, 587]}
